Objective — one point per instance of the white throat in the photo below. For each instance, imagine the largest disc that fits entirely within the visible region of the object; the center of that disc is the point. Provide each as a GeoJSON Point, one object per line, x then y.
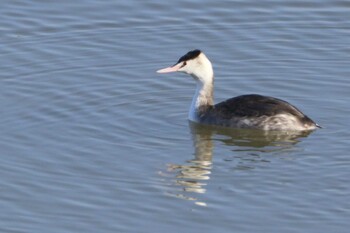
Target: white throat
{"type": "Point", "coordinates": [202, 99]}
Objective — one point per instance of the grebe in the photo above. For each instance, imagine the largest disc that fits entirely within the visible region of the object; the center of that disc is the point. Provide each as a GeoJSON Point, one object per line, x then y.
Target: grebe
{"type": "Point", "coordinates": [245, 111]}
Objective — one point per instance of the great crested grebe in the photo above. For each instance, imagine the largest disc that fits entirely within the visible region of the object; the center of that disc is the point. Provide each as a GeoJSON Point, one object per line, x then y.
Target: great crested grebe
{"type": "Point", "coordinates": [245, 111]}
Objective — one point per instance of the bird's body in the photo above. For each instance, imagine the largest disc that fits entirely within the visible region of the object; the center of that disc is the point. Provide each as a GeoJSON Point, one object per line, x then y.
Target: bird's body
{"type": "Point", "coordinates": [256, 112]}
{"type": "Point", "coordinates": [245, 111]}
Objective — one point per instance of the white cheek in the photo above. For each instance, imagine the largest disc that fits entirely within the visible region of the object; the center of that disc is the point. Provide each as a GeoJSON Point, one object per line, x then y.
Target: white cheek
{"type": "Point", "coordinates": [184, 70]}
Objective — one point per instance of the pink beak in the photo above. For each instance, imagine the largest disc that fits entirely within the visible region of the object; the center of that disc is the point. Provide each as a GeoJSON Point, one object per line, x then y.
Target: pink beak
{"type": "Point", "coordinates": [170, 69]}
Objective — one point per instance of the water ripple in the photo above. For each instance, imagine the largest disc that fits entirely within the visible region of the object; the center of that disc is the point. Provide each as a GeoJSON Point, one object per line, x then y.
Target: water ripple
{"type": "Point", "coordinates": [92, 138]}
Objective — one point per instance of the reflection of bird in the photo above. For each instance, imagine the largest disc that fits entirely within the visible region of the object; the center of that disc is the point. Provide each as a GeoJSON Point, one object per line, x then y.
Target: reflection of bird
{"type": "Point", "coordinates": [246, 111]}
{"type": "Point", "coordinates": [249, 146]}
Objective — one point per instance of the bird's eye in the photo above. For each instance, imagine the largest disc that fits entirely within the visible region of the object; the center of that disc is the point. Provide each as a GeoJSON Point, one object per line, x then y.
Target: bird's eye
{"type": "Point", "coordinates": [184, 64]}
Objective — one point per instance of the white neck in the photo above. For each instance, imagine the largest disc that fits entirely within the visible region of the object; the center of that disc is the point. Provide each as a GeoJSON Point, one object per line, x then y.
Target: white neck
{"type": "Point", "coordinates": [202, 72]}
{"type": "Point", "coordinates": [202, 99]}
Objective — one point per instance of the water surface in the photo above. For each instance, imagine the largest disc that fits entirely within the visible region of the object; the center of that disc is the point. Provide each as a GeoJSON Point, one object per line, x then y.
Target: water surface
{"type": "Point", "coordinates": [93, 140]}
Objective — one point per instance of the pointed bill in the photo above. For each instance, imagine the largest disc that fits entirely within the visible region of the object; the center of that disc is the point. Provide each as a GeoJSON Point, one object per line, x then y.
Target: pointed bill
{"type": "Point", "coordinates": [170, 69]}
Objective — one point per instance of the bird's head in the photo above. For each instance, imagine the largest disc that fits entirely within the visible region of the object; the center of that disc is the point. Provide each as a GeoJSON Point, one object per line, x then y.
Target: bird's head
{"type": "Point", "coordinates": [194, 63]}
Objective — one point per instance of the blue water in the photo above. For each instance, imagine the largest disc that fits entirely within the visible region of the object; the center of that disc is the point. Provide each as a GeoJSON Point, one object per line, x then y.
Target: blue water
{"type": "Point", "coordinates": [93, 140]}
